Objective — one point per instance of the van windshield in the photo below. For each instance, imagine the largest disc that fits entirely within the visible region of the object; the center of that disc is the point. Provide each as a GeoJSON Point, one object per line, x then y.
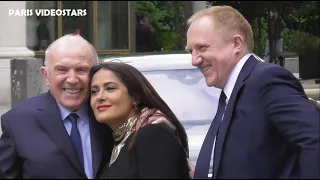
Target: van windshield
{"type": "Point", "coordinates": [186, 93]}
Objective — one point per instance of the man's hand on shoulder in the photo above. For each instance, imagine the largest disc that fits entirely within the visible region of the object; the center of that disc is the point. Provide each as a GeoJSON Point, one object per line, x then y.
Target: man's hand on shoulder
{"type": "Point", "coordinates": [156, 117]}
{"type": "Point", "coordinates": [191, 168]}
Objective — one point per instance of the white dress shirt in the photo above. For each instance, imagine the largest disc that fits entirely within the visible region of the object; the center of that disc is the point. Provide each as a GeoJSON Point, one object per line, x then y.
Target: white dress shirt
{"type": "Point", "coordinates": [83, 126]}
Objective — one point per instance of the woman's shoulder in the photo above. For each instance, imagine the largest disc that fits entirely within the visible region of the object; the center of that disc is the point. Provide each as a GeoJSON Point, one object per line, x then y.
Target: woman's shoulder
{"type": "Point", "coordinates": [156, 135]}
{"type": "Point", "coordinates": [154, 129]}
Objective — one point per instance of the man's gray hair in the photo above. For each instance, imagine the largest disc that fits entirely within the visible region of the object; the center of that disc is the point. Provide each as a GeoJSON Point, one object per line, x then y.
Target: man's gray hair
{"type": "Point", "coordinates": [70, 37]}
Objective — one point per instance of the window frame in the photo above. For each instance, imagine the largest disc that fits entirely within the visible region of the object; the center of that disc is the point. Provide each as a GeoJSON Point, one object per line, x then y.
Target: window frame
{"type": "Point", "coordinates": [59, 30]}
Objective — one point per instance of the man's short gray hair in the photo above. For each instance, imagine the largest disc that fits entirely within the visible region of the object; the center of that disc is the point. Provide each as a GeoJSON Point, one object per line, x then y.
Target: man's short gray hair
{"type": "Point", "coordinates": [70, 37]}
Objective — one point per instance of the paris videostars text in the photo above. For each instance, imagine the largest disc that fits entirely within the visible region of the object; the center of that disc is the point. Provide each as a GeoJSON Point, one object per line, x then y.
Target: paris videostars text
{"type": "Point", "coordinates": [47, 12]}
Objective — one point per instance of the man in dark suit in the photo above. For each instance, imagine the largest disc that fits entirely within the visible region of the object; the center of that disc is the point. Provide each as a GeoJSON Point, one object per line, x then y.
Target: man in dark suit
{"type": "Point", "coordinates": [265, 126]}
{"type": "Point", "coordinates": [55, 135]}
{"type": "Point", "coordinates": [39, 140]}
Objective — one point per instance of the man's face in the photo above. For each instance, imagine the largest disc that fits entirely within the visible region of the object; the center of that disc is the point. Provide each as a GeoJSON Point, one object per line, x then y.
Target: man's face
{"type": "Point", "coordinates": [211, 53]}
{"type": "Point", "coordinates": [67, 75]}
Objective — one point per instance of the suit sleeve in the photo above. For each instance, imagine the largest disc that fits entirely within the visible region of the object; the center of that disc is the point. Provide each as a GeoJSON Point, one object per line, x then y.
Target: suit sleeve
{"type": "Point", "coordinates": [290, 111]}
{"type": "Point", "coordinates": [159, 154]}
{"type": "Point", "coordinates": [9, 161]}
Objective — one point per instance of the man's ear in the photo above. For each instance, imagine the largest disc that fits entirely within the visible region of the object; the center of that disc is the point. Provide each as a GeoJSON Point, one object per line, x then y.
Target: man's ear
{"type": "Point", "coordinates": [238, 43]}
{"type": "Point", "coordinates": [44, 73]}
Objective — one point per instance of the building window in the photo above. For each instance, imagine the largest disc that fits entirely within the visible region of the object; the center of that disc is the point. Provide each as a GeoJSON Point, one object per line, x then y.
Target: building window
{"type": "Point", "coordinates": [78, 24]}
{"type": "Point", "coordinates": [41, 30]}
{"type": "Point", "coordinates": [112, 25]}
{"type": "Point", "coordinates": [106, 25]}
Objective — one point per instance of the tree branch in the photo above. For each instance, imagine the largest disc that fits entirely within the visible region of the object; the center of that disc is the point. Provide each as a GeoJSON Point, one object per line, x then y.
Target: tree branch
{"type": "Point", "coordinates": [265, 29]}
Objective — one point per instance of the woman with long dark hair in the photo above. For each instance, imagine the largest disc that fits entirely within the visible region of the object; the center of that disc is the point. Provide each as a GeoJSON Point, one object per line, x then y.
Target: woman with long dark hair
{"type": "Point", "coordinates": [119, 92]}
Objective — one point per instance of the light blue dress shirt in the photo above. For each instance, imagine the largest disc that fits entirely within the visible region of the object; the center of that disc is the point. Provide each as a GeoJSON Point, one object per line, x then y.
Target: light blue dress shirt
{"type": "Point", "coordinates": [83, 126]}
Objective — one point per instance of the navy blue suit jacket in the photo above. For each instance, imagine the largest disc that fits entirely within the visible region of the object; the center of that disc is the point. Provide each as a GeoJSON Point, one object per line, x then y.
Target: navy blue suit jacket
{"type": "Point", "coordinates": [35, 143]}
{"type": "Point", "coordinates": [270, 129]}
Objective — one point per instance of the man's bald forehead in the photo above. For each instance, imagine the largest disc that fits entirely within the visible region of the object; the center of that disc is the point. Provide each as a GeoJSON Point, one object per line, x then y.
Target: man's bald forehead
{"type": "Point", "coordinates": [71, 43]}
{"type": "Point", "coordinates": [68, 42]}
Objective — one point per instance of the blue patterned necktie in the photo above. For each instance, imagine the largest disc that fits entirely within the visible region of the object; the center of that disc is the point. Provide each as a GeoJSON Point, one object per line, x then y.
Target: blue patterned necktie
{"type": "Point", "coordinates": [75, 136]}
{"type": "Point", "coordinates": [204, 158]}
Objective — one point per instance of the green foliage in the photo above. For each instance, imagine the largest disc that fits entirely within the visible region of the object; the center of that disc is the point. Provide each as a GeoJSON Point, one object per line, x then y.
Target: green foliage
{"type": "Point", "coordinates": [165, 18]}
{"type": "Point", "coordinates": [301, 17]}
{"type": "Point", "coordinates": [170, 41]}
{"type": "Point", "coordinates": [155, 15]}
{"type": "Point", "coordinates": [306, 10]}
{"type": "Point", "coordinates": [299, 42]}
{"type": "Point", "coordinates": [260, 36]}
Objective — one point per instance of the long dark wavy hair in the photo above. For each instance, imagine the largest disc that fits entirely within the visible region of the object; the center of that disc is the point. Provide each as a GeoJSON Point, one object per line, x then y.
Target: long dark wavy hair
{"type": "Point", "coordinates": [139, 88]}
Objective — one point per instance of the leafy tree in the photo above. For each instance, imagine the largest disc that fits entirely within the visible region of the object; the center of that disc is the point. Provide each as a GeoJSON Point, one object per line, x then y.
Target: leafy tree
{"type": "Point", "coordinates": [166, 20]}
{"type": "Point", "coordinates": [301, 16]}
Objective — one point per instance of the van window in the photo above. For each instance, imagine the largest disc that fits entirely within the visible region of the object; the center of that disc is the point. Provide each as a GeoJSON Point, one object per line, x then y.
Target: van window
{"type": "Point", "coordinates": [186, 93]}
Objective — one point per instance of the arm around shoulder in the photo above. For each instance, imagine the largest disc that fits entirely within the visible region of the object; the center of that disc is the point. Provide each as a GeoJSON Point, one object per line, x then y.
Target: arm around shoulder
{"type": "Point", "coordinates": [9, 161]}
{"type": "Point", "coordinates": [288, 108]}
{"type": "Point", "coordinates": [160, 154]}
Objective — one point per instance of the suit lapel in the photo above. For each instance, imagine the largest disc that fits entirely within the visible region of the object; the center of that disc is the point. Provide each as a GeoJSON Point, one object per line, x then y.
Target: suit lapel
{"type": "Point", "coordinates": [244, 73]}
{"type": "Point", "coordinates": [50, 120]}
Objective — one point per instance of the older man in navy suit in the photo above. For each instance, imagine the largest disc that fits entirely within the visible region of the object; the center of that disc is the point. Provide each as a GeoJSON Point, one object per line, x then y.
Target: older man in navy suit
{"type": "Point", "coordinates": [39, 139]}
{"type": "Point", "coordinates": [55, 135]}
{"type": "Point", "coordinates": [265, 126]}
